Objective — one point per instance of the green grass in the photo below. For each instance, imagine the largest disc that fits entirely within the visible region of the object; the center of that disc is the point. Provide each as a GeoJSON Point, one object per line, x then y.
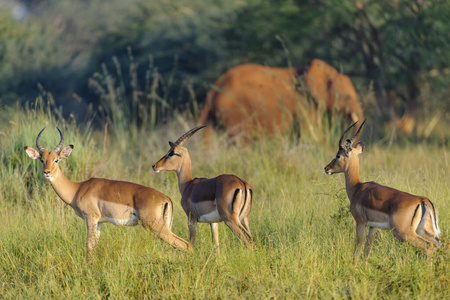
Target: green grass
{"type": "Point", "coordinates": [304, 232]}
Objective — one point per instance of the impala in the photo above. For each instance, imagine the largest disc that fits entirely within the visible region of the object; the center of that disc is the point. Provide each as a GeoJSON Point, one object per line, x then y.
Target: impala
{"type": "Point", "coordinates": [224, 198]}
{"type": "Point", "coordinates": [100, 201]}
{"type": "Point", "coordinates": [409, 217]}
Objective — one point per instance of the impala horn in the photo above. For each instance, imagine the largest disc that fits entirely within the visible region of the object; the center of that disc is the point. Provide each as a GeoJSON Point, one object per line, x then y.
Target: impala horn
{"type": "Point", "coordinates": [187, 135]}
{"type": "Point", "coordinates": [61, 143]}
{"type": "Point", "coordinates": [38, 144]}
{"type": "Point", "coordinates": [342, 137]}
{"type": "Point", "coordinates": [357, 132]}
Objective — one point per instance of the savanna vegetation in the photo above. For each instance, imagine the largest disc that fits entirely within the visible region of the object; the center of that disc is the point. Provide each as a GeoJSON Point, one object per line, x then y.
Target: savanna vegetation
{"type": "Point", "coordinates": [300, 219]}
{"type": "Point", "coordinates": [122, 78]}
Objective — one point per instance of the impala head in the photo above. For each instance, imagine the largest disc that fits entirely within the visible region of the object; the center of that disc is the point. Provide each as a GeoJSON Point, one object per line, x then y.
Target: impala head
{"type": "Point", "coordinates": [49, 159]}
{"type": "Point", "coordinates": [347, 151]}
{"type": "Point", "coordinates": [173, 159]}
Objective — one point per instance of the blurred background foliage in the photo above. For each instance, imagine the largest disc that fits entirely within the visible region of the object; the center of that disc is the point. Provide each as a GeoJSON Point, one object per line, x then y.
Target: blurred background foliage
{"type": "Point", "coordinates": [145, 59]}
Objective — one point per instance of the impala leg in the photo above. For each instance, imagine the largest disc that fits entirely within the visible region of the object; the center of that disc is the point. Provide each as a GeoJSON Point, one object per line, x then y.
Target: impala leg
{"type": "Point", "coordinates": [161, 230]}
{"type": "Point", "coordinates": [248, 235]}
{"type": "Point", "coordinates": [174, 240]}
{"type": "Point", "coordinates": [232, 220]}
{"type": "Point", "coordinates": [99, 229]}
{"type": "Point", "coordinates": [92, 234]}
{"type": "Point", "coordinates": [360, 228]}
{"type": "Point", "coordinates": [369, 241]}
{"type": "Point", "coordinates": [432, 239]}
{"type": "Point", "coordinates": [215, 236]}
{"type": "Point", "coordinates": [192, 230]}
{"type": "Point", "coordinates": [239, 230]}
{"type": "Point", "coordinates": [411, 237]}
{"type": "Point", "coordinates": [419, 242]}
{"type": "Point", "coordinates": [245, 223]}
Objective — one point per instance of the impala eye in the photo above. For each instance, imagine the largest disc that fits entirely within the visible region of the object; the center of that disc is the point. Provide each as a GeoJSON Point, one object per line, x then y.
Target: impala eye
{"type": "Point", "coordinates": [172, 153]}
{"type": "Point", "coordinates": [337, 156]}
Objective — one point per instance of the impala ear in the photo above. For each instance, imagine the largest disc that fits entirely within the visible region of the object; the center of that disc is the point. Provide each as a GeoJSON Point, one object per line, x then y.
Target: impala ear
{"type": "Point", "coordinates": [65, 152]}
{"type": "Point", "coordinates": [359, 147]}
{"type": "Point", "coordinates": [33, 153]}
{"type": "Point", "coordinates": [172, 145]}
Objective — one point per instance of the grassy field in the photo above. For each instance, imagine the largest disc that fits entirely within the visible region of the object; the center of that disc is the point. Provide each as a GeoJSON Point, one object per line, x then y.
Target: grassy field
{"type": "Point", "coordinates": [300, 219]}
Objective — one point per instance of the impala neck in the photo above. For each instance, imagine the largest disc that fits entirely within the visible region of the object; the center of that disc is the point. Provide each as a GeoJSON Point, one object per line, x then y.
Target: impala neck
{"type": "Point", "coordinates": [65, 188]}
{"type": "Point", "coordinates": [184, 172]}
{"type": "Point", "coordinates": [352, 175]}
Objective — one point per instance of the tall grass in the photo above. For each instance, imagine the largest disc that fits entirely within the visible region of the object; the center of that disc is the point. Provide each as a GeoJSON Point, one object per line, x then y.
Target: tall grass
{"type": "Point", "coordinates": [304, 232]}
{"type": "Point", "coordinates": [133, 105]}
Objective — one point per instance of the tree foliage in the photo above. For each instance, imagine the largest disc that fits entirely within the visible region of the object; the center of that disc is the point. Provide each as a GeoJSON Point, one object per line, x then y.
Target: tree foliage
{"type": "Point", "coordinates": [60, 44]}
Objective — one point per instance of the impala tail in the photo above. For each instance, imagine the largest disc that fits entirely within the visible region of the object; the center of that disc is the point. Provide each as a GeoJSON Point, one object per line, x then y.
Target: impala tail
{"type": "Point", "coordinates": [238, 201]}
{"type": "Point", "coordinates": [432, 225]}
{"type": "Point", "coordinates": [426, 218]}
{"type": "Point", "coordinates": [168, 214]}
{"type": "Point", "coordinates": [241, 206]}
{"type": "Point", "coordinates": [247, 202]}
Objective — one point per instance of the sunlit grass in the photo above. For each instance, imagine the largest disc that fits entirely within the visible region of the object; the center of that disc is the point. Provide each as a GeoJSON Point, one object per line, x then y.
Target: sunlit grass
{"type": "Point", "coordinates": [304, 232]}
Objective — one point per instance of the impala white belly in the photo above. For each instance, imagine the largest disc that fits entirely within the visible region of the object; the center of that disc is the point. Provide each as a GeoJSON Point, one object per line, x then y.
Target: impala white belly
{"type": "Point", "coordinates": [117, 213]}
{"type": "Point", "coordinates": [381, 225]}
{"type": "Point", "coordinates": [378, 219]}
{"type": "Point", "coordinates": [132, 221]}
{"type": "Point", "coordinates": [212, 217]}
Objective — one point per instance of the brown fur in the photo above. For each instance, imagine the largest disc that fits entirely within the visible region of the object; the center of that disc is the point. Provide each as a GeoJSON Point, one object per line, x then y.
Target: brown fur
{"type": "Point", "coordinates": [252, 99]}
{"type": "Point", "coordinates": [228, 195]}
{"type": "Point", "coordinates": [409, 217]}
{"type": "Point", "coordinates": [100, 200]}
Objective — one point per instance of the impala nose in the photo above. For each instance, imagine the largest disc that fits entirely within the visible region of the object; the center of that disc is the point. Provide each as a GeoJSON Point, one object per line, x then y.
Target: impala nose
{"type": "Point", "coordinates": [154, 168]}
